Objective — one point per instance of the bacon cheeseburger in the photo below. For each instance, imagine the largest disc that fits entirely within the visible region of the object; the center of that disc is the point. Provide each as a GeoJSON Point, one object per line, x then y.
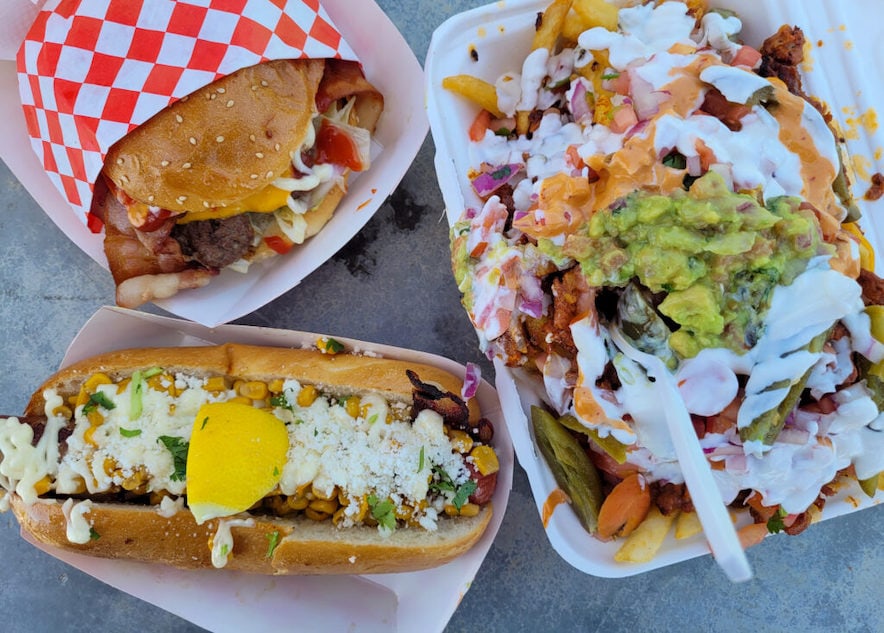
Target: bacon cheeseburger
{"type": "Point", "coordinates": [234, 173]}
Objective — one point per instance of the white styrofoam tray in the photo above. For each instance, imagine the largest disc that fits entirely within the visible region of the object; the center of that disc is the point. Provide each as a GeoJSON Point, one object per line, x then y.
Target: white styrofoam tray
{"type": "Point", "coordinates": [845, 48]}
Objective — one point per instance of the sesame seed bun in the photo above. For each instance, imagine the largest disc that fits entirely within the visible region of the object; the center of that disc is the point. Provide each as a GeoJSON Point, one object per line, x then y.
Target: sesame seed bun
{"type": "Point", "coordinates": [221, 143]}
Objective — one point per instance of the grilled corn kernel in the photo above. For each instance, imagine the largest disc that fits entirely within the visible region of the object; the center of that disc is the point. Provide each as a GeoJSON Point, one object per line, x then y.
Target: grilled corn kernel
{"type": "Point", "coordinates": [466, 510]}
{"type": "Point", "coordinates": [215, 384]}
{"type": "Point", "coordinates": [42, 486]}
{"type": "Point", "coordinates": [136, 481]}
{"type": "Point", "coordinates": [109, 465]}
{"type": "Point", "coordinates": [241, 400]}
{"type": "Point", "coordinates": [461, 441]}
{"type": "Point", "coordinates": [338, 516]}
{"type": "Point", "coordinates": [352, 406]}
{"type": "Point", "coordinates": [63, 411]}
{"type": "Point", "coordinates": [315, 515]}
{"type": "Point", "coordinates": [163, 382]}
{"type": "Point", "coordinates": [121, 386]}
{"type": "Point", "coordinates": [307, 396]}
{"type": "Point", "coordinates": [404, 512]}
{"type": "Point", "coordinates": [95, 420]}
{"type": "Point", "coordinates": [297, 503]}
{"type": "Point", "coordinates": [275, 385]}
{"type": "Point", "coordinates": [363, 510]}
{"type": "Point", "coordinates": [316, 493]}
{"type": "Point", "coordinates": [326, 506]}
{"type": "Point", "coordinates": [94, 380]}
{"type": "Point", "coordinates": [254, 389]}
{"type": "Point", "coordinates": [485, 459]}
{"type": "Point", "coordinates": [469, 510]}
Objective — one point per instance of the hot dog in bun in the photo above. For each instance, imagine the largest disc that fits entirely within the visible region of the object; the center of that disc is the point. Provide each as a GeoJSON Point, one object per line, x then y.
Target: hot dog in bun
{"type": "Point", "coordinates": [236, 172]}
{"type": "Point", "coordinates": [266, 460]}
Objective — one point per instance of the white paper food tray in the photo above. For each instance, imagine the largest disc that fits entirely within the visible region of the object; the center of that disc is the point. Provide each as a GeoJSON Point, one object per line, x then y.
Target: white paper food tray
{"type": "Point", "coordinates": [845, 50]}
{"type": "Point", "coordinates": [220, 600]}
{"type": "Point", "coordinates": [389, 64]}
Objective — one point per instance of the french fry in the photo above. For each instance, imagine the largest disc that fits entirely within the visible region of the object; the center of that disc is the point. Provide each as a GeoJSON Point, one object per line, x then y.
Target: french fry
{"type": "Point", "coordinates": [642, 545]}
{"type": "Point", "coordinates": [522, 121]}
{"type": "Point", "coordinates": [687, 524]}
{"type": "Point", "coordinates": [477, 90]}
{"type": "Point", "coordinates": [551, 23]}
{"type": "Point", "coordinates": [572, 28]}
{"type": "Point", "coordinates": [596, 13]}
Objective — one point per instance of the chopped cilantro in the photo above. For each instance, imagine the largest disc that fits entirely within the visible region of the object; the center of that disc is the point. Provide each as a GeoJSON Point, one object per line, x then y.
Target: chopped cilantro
{"type": "Point", "coordinates": [420, 463]}
{"type": "Point", "coordinates": [675, 160]}
{"type": "Point", "coordinates": [205, 421]}
{"type": "Point", "coordinates": [98, 399]}
{"type": "Point", "coordinates": [463, 493]}
{"type": "Point", "coordinates": [93, 534]}
{"type": "Point", "coordinates": [225, 549]}
{"type": "Point", "coordinates": [273, 541]}
{"type": "Point", "coordinates": [383, 512]}
{"type": "Point", "coordinates": [178, 447]}
{"type": "Point", "coordinates": [373, 418]}
{"type": "Point", "coordinates": [333, 347]}
{"type": "Point", "coordinates": [445, 484]}
{"type": "Point", "coordinates": [613, 75]}
{"type": "Point", "coordinates": [130, 432]}
{"type": "Point", "coordinates": [281, 401]}
{"type": "Point", "coordinates": [775, 523]}
{"type": "Point", "coordinates": [276, 471]}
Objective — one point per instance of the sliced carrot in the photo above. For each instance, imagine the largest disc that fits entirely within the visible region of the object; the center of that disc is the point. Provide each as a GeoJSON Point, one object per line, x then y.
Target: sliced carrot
{"type": "Point", "coordinates": [753, 534]}
{"type": "Point", "coordinates": [480, 126]}
{"type": "Point", "coordinates": [624, 508]}
{"type": "Point", "coordinates": [746, 56]}
{"type": "Point", "coordinates": [574, 158]}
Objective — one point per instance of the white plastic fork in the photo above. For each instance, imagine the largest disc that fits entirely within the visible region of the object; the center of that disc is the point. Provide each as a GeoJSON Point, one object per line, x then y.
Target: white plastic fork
{"type": "Point", "coordinates": [717, 524]}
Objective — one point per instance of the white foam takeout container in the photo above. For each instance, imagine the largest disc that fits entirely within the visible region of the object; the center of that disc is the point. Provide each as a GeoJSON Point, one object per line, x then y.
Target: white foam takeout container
{"type": "Point", "coordinates": [389, 64]}
{"type": "Point", "coordinates": [845, 47]}
{"type": "Point", "coordinates": [423, 600]}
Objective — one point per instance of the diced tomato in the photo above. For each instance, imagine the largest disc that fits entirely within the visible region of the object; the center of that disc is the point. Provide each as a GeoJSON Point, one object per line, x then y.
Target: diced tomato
{"type": "Point", "coordinates": [746, 56]}
{"type": "Point", "coordinates": [278, 243]}
{"type": "Point", "coordinates": [155, 219]}
{"type": "Point", "coordinates": [624, 118]}
{"type": "Point", "coordinates": [94, 222]}
{"type": "Point", "coordinates": [619, 84]}
{"type": "Point", "coordinates": [334, 145]}
{"type": "Point", "coordinates": [480, 126]}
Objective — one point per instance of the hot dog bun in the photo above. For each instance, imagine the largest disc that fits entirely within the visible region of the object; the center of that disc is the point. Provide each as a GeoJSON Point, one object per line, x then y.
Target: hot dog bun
{"type": "Point", "coordinates": [305, 546]}
{"type": "Point", "coordinates": [145, 531]}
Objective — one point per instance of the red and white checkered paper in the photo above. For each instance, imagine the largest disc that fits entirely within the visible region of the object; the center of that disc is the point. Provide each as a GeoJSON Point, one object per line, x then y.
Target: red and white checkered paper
{"type": "Point", "coordinates": [90, 71]}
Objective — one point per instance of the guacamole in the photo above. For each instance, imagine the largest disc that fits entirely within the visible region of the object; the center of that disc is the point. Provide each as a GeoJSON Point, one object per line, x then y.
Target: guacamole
{"type": "Point", "coordinates": [717, 256]}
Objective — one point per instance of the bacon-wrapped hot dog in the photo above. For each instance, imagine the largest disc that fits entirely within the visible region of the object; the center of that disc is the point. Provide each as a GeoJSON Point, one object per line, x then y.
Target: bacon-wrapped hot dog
{"type": "Point", "coordinates": [266, 460]}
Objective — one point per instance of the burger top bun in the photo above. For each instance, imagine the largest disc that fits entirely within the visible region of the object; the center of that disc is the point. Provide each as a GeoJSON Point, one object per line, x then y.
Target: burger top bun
{"type": "Point", "coordinates": [222, 143]}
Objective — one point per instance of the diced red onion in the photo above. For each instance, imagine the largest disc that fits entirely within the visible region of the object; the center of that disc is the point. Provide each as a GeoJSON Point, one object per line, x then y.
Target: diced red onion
{"type": "Point", "coordinates": [471, 380]}
{"type": "Point", "coordinates": [490, 181]}
{"type": "Point", "coordinates": [637, 128]}
{"type": "Point", "coordinates": [693, 165]}
{"type": "Point", "coordinates": [532, 308]}
{"type": "Point", "coordinates": [579, 106]}
{"type": "Point", "coordinates": [646, 100]}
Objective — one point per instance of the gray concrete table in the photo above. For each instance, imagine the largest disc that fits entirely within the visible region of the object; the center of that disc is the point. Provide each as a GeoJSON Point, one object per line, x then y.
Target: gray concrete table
{"type": "Point", "coordinates": [828, 579]}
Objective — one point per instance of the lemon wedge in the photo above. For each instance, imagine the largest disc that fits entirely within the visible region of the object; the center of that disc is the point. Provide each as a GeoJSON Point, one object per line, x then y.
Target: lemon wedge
{"type": "Point", "coordinates": [236, 457]}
